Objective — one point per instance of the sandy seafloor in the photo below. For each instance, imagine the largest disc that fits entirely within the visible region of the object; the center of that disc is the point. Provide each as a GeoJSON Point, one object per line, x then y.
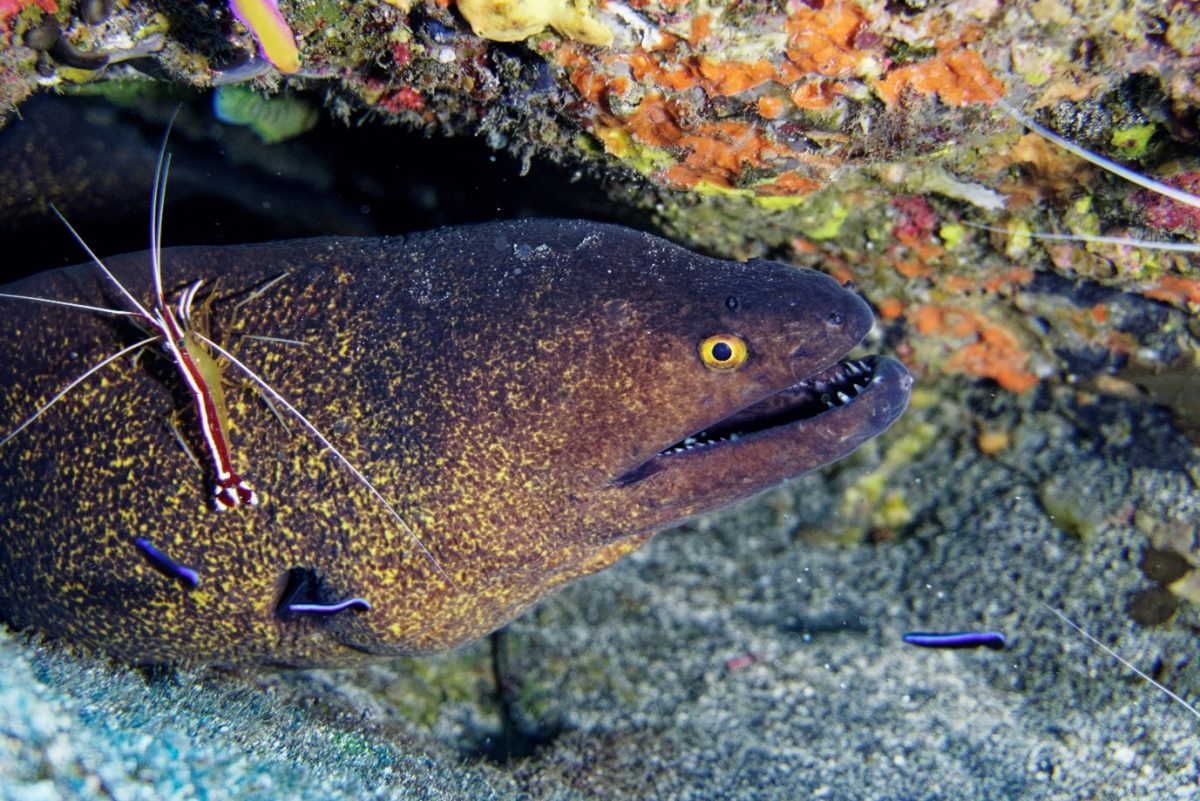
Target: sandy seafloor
{"type": "Point", "coordinates": [642, 663]}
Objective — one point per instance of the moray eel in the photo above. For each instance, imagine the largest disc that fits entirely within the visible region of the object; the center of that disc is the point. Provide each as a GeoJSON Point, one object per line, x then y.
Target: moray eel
{"type": "Point", "coordinates": [535, 399]}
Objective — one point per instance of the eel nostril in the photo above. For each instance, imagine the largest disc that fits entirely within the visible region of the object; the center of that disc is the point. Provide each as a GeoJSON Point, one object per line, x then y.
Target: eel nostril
{"type": "Point", "coordinates": [835, 320]}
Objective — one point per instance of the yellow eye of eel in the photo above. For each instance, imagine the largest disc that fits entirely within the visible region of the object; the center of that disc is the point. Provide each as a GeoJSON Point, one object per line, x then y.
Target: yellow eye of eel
{"type": "Point", "coordinates": [723, 352]}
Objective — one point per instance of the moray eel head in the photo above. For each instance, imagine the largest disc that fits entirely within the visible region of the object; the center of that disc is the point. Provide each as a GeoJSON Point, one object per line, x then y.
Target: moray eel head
{"type": "Point", "coordinates": [780, 405]}
{"type": "Point", "coordinates": [522, 403]}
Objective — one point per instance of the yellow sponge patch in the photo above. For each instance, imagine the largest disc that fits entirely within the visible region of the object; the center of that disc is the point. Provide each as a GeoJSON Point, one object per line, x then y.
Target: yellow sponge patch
{"type": "Point", "coordinates": [514, 20]}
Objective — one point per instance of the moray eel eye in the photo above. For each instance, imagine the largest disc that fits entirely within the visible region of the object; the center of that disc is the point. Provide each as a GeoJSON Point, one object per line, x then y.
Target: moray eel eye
{"type": "Point", "coordinates": [723, 352]}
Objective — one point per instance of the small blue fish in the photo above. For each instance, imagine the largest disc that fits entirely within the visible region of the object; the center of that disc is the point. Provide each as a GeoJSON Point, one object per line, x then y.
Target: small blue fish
{"type": "Point", "coordinates": [166, 564]}
{"type": "Point", "coordinates": [329, 609]}
{"type": "Point", "coordinates": [957, 639]}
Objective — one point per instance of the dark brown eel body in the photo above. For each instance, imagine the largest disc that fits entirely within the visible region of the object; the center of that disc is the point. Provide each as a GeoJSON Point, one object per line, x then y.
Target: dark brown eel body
{"type": "Point", "coordinates": [513, 389]}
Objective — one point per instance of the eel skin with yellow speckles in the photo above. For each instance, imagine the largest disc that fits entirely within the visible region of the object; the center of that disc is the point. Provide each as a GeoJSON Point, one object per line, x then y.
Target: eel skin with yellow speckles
{"type": "Point", "coordinates": [534, 399]}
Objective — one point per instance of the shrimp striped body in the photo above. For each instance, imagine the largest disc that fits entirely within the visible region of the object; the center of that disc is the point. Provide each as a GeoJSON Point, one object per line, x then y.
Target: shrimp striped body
{"type": "Point", "coordinates": [190, 357]}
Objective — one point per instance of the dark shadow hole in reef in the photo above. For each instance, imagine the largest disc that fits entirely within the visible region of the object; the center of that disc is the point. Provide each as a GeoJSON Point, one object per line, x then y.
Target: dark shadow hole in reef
{"type": "Point", "coordinates": [94, 162]}
{"type": "Point", "coordinates": [161, 675]}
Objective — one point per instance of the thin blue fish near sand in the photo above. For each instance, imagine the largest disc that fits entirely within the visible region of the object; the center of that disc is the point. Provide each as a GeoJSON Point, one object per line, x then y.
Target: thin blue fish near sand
{"type": "Point", "coordinates": [957, 639]}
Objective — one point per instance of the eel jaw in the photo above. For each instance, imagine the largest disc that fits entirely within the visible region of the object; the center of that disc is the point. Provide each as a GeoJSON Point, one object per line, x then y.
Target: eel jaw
{"type": "Point", "coordinates": [803, 426]}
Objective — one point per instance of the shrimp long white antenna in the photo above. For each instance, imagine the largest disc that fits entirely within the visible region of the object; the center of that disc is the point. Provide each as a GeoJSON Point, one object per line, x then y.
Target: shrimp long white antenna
{"type": "Point", "coordinates": [74, 383]}
{"type": "Point", "coordinates": [1128, 241]}
{"type": "Point", "coordinates": [274, 395]}
{"type": "Point", "coordinates": [142, 311]}
{"type": "Point", "coordinates": [68, 304]}
{"type": "Point", "coordinates": [1170, 694]}
{"type": "Point", "coordinates": [158, 200]}
{"type": "Point", "coordinates": [1133, 176]}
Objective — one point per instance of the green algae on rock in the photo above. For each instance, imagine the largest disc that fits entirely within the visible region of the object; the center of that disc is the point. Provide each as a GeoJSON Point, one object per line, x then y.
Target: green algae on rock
{"type": "Point", "coordinates": [273, 119]}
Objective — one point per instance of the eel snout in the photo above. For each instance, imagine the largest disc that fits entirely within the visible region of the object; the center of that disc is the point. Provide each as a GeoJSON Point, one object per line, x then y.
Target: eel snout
{"type": "Point", "coordinates": [827, 391]}
{"type": "Point", "coordinates": [808, 424]}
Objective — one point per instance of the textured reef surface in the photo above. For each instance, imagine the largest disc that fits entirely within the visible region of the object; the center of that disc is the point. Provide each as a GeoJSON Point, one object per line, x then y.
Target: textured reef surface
{"type": "Point", "coordinates": [1048, 455]}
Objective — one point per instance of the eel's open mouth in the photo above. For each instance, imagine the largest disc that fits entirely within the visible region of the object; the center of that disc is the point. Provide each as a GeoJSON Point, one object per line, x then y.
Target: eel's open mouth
{"type": "Point", "coordinates": [805, 404]}
{"type": "Point", "coordinates": [829, 389]}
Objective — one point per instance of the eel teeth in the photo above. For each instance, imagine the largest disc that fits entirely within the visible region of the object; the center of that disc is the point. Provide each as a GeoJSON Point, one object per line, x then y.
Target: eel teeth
{"type": "Point", "coordinates": [832, 389]}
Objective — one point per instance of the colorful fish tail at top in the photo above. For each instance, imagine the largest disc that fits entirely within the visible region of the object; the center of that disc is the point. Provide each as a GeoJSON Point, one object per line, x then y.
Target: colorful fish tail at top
{"type": "Point", "coordinates": [276, 41]}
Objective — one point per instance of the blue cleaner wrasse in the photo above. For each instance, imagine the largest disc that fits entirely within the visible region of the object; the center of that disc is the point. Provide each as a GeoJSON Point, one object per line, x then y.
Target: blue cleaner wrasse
{"type": "Point", "coordinates": [994, 640]}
